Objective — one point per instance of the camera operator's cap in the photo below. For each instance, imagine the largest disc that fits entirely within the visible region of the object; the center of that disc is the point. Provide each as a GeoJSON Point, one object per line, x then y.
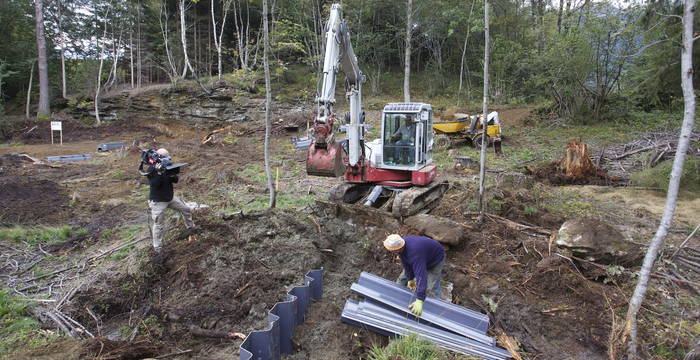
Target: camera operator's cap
{"type": "Point", "coordinates": [163, 152]}
{"type": "Point", "coordinates": [394, 242]}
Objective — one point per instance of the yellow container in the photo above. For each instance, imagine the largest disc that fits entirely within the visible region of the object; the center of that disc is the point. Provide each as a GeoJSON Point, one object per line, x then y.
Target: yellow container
{"type": "Point", "coordinates": [493, 130]}
{"type": "Point", "coordinates": [451, 126]}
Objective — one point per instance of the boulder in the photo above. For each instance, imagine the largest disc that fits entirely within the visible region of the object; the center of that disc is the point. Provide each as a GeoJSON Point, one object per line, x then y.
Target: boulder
{"type": "Point", "coordinates": [597, 241]}
{"type": "Point", "coordinates": [439, 228]}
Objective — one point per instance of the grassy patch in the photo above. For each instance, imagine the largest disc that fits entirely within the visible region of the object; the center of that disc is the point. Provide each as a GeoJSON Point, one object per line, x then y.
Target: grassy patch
{"type": "Point", "coordinates": [659, 175]}
{"type": "Point", "coordinates": [125, 234]}
{"type": "Point", "coordinates": [17, 330]}
{"type": "Point", "coordinates": [283, 201]}
{"type": "Point", "coordinates": [40, 235]}
{"type": "Point", "coordinates": [119, 174]}
{"type": "Point", "coordinates": [408, 348]}
{"type": "Point", "coordinates": [254, 172]}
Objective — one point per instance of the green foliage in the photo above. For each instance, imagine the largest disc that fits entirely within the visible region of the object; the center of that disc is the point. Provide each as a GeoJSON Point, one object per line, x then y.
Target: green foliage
{"type": "Point", "coordinates": [659, 176]}
{"type": "Point", "coordinates": [407, 348]}
{"type": "Point", "coordinates": [40, 235]}
{"type": "Point", "coordinates": [288, 40]}
{"type": "Point", "coordinates": [283, 201]}
{"type": "Point", "coordinates": [18, 330]}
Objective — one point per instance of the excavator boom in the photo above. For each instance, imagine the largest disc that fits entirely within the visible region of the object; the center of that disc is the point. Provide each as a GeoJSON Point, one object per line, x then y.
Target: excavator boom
{"type": "Point", "coordinates": [325, 156]}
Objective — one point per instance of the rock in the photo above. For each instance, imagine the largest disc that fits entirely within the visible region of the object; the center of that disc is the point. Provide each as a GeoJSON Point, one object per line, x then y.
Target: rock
{"type": "Point", "coordinates": [466, 162]}
{"type": "Point", "coordinates": [599, 242]}
{"type": "Point", "coordinates": [441, 229]}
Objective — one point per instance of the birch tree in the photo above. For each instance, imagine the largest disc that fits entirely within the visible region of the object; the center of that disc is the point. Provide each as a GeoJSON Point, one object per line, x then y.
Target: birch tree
{"type": "Point", "coordinates": [268, 102]}
{"type": "Point", "coordinates": [61, 40]}
{"type": "Point", "coordinates": [407, 53]}
{"type": "Point", "coordinates": [484, 116]}
{"type": "Point", "coordinates": [98, 87]}
{"type": "Point", "coordinates": [183, 39]}
{"type": "Point", "coordinates": [218, 34]}
{"type": "Point", "coordinates": [674, 183]}
{"type": "Point", "coordinates": [41, 60]}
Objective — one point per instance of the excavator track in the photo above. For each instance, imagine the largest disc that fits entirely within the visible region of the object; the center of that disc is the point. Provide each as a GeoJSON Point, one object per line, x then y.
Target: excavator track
{"type": "Point", "coordinates": [349, 193]}
{"type": "Point", "coordinates": [419, 199]}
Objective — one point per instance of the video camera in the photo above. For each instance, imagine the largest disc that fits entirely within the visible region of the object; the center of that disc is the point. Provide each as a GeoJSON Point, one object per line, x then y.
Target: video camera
{"type": "Point", "coordinates": [150, 158]}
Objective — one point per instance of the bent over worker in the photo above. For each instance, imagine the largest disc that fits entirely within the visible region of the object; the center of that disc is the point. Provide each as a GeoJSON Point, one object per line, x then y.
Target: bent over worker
{"type": "Point", "coordinates": [423, 259]}
{"type": "Point", "coordinates": [161, 197]}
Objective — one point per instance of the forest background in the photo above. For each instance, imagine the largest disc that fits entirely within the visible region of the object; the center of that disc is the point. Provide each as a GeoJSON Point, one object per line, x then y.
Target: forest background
{"type": "Point", "coordinates": [582, 60]}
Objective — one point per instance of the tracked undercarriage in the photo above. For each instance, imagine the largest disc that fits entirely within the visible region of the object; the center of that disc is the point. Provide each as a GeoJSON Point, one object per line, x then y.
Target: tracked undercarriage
{"type": "Point", "coordinates": [399, 201]}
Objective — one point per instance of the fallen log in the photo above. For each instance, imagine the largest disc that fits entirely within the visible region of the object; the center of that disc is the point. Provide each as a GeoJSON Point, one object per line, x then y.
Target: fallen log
{"type": "Point", "coordinates": [198, 331]}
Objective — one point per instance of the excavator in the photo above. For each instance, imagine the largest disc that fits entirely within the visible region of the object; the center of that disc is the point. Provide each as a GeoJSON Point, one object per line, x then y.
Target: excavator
{"type": "Point", "coordinates": [396, 172]}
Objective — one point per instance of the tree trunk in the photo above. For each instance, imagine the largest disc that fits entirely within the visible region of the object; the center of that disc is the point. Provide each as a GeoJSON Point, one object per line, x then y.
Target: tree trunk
{"type": "Point", "coordinates": [407, 55]}
{"type": "Point", "coordinates": [131, 56]}
{"type": "Point", "coordinates": [464, 54]}
{"type": "Point", "coordinates": [139, 76]}
{"type": "Point", "coordinates": [559, 15]}
{"type": "Point", "coordinates": [673, 184]}
{"type": "Point", "coordinates": [99, 75]}
{"type": "Point", "coordinates": [41, 55]}
{"type": "Point", "coordinates": [29, 89]}
{"type": "Point", "coordinates": [268, 102]}
{"type": "Point", "coordinates": [484, 116]}
{"type": "Point", "coordinates": [59, 17]}
{"type": "Point", "coordinates": [183, 38]}
{"type": "Point", "coordinates": [218, 35]}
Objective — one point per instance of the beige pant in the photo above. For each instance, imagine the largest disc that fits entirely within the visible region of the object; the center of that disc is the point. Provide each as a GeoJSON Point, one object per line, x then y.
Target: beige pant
{"type": "Point", "coordinates": [158, 217]}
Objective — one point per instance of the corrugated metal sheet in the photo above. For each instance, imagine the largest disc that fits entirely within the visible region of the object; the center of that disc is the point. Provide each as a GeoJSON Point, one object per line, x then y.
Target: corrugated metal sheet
{"type": "Point", "coordinates": [282, 320]}
{"type": "Point", "coordinates": [111, 146]}
{"type": "Point", "coordinates": [439, 313]}
{"type": "Point", "coordinates": [381, 319]}
{"type": "Point", "coordinates": [69, 157]}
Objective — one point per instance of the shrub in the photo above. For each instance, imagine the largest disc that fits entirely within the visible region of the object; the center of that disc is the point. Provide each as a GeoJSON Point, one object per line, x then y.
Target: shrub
{"type": "Point", "coordinates": [408, 348]}
{"type": "Point", "coordinates": [658, 176]}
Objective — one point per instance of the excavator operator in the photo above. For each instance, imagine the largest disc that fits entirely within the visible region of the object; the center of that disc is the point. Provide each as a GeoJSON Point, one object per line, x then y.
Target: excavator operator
{"type": "Point", "coordinates": [423, 259]}
{"type": "Point", "coordinates": [404, 137]}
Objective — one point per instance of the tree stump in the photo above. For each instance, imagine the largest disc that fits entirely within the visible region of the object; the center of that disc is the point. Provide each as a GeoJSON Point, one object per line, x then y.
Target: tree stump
{"type": "Point", "coordinates": [577, 164]}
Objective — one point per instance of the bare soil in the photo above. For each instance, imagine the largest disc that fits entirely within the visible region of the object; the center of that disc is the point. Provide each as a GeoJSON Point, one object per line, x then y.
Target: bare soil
{"type": "Point", "coordinates": [227, 275]}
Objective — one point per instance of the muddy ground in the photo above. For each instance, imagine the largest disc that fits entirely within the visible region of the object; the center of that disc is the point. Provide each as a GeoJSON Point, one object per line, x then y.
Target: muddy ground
{"type": "Point", "coordinates": [229, 273]}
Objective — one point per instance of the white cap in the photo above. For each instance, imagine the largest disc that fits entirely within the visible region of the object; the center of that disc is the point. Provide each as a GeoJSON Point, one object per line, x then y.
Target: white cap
{"type": "Point", "coordinates": [394, 242]}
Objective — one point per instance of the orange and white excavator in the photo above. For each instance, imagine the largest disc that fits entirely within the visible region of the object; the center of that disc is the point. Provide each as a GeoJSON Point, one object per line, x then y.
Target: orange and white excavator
{"type": "Point", "coordinates": [395, 172]}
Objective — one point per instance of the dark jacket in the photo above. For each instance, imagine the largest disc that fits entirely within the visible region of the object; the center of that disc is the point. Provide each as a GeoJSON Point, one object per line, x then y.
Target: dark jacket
{"type": "Point", "coordinates": [161, 186]}
{"type": "Point", "coordinates": [420, 254]}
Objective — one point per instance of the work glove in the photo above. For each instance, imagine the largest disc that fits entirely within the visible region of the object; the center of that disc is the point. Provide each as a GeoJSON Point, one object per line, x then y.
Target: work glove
{"type": "Point", "coordinates": [416, 307]}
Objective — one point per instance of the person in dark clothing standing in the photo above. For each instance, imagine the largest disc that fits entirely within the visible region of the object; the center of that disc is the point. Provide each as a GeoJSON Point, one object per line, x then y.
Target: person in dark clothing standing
{"type": "Point", "coordinates": [161, 197]}
{"type": "Point", "coordinates": [423, 259]}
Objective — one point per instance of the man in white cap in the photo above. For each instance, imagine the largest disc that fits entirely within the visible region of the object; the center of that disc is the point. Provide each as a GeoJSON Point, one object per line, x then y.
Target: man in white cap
{"type": "Point", "coordinates": [161, 197]}
{"type": "Point", "coordinates": [423, 259]}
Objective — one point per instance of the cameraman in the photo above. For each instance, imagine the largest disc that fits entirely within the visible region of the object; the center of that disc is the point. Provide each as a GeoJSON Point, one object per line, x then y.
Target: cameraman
{"type": "Point", "coordinates": [161, 197]}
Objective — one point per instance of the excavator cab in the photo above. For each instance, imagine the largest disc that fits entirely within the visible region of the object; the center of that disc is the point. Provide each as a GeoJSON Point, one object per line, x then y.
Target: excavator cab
{"type": "Point", "coordinates": [406, 136]}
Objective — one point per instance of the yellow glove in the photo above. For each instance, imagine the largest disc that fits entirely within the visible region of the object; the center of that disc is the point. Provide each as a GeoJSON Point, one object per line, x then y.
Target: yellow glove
{"type": "Point", "coordinates": [416, 307]}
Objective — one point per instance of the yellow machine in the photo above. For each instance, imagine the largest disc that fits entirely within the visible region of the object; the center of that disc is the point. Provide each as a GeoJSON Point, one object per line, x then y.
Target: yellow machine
{"type": "Point", "coordinates": [468, 127]}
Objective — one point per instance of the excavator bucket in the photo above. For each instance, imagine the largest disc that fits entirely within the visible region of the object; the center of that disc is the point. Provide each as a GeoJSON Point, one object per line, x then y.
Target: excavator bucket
{"type": "Point", "coordinates": [325, 161]}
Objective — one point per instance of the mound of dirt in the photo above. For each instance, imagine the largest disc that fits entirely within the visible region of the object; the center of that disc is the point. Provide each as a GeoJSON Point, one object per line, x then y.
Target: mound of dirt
{"type": "Point", "coordinates": [32, 202]}
{"type": "Point", "coordinates": [228, 278]}
{"type": "Point", "coordinates": [35, 132]}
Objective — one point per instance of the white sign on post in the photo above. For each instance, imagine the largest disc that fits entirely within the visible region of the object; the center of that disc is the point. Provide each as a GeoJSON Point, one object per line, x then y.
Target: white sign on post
{"type": "Point", "coordinates": [57, 126]}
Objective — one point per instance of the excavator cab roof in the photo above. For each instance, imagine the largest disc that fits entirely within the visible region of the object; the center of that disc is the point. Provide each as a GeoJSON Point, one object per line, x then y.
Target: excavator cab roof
{"type": "Point", "coordinates": [406, 107]}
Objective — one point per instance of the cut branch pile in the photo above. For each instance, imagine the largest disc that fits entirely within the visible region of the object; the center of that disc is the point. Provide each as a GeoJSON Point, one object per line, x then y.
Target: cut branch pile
{"type": "Point", "coordinates": [57, 286]}
{"type": "Point", "coordinates": [660, 146]}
